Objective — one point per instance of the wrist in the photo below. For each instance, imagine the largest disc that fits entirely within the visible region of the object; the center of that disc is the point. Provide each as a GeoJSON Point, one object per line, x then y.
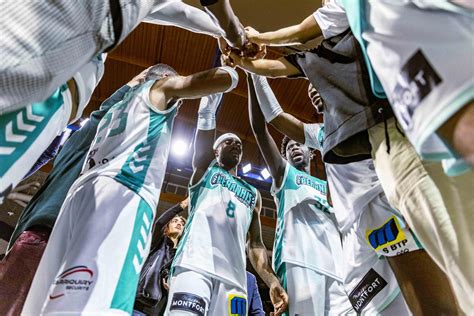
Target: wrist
{"type": "Point", "coordinates": [206, 121]}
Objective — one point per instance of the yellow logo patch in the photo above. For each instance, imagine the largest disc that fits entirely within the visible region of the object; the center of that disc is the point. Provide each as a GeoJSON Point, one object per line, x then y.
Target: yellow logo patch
{"type": "Point", "coordinates": [388, 234]}
{"type": "Point", "coordinates": [237, 305]}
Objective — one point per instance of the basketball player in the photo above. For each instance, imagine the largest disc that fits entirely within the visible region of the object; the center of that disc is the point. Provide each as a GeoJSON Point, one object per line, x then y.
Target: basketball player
{"type": "Point", "coordinates": [39, 57]}
{"type": "Point", "coordinates": [209, 275]}
{"type": "Point", "coordinates": [370, 229]}
{"type": "Point", "coordinates": [435, 206]}
{"type": "Point", "coordinates": [26, 133]}
{"type": "Point", "coordinates": [307, 254]}
{"type": "Point", "coordinates": [101, 238]}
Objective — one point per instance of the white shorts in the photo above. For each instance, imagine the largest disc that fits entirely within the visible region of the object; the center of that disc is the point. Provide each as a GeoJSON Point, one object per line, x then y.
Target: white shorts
{"type": "Point", "coordinates": [193, 293]}
{"type": "Point", "coordinates": [378, 231]}
{"type": "Point", "coordinates": [26, 133]}
{"type": "Point", "coordinates": [426, 72]}
{"type": "Point", "coordinates": [95, 252]}
{"type": "Point", "coordinates": [313, 293]}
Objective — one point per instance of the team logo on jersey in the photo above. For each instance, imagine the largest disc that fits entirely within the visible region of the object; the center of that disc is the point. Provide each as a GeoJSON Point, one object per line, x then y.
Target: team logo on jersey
{"type": "Point", "coordinates": [304, 180]}
{"type": "Point", "coordinates": [389, 238]}
{"type": "Point", "coordinates": [247, 197]}
{"type": "Point", "coordinates": [414, 82]}
{"type": "Point", "coordinates": [365, 291]}
{"type": "Point", "coordinates": [75, 279]}
{"type": "Point", "coordinates": [188, 302]}
{"type": "Point", "coordinates": [237, 305]}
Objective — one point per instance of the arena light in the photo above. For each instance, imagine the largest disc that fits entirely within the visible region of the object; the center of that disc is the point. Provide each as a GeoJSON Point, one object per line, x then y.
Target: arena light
{"type": "Point", "coordinates": [247, 168]}
{"type": "Point", "coordinates": [265, 174]}
{"type": "Point", "coordinates": [179, 147]}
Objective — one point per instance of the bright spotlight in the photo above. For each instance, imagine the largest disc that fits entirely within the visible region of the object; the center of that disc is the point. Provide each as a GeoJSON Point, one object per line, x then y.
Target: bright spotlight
{"type": "Point", "coordinates": [265, 174]}
{"type": "Point", "coordinates": [179, 147]}
{"type": "Point", "coordinates": [247, 168]}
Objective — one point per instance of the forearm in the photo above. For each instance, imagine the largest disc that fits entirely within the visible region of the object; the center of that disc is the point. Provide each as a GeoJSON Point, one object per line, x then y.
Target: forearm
{"type": "Point", "coordinates": [290, 126]}
{"type": "Point", "coordinates": [273, 68]}
{"type": "Point", "coordinates": [212, 81]}
{"type": "Point", "coordinates": [222, 12]}
{"type": "Point", "coordinates": [177, 13]}
{"type": "Point", "coordinates": [259, 260]}
{"type": "Point", "coordinates": [291, 35]}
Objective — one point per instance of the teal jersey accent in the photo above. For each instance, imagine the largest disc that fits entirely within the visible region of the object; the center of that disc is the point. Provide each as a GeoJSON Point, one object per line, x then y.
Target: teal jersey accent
{"type": "Point", "coordinates": [132, 144]}
{"type": "Point", "coordinates": [306, 232]}
{"type": "Point", "coordinates": [135, 168]}
{"type": "Point", "coordinates": [126, 288]}
{"type": "Point", "coordinates": [221, 207]}
{"type": "Point", "coordinates": [20, 129]}
{"type": "Point", "coordinates": [355, 11]}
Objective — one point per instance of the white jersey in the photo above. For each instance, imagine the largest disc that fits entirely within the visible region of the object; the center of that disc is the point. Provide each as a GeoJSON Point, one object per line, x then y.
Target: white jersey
{"type": "Point", "coordinates": [306, 233]}
{"type": "Point", "coordinates": [214, 239]}
{"type": "Point", "coordinates": [357, 180]}
{"type": "Point", "coordinates": [132, 144]}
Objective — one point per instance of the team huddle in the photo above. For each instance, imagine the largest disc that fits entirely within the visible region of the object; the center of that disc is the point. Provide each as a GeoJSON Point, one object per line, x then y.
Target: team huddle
{"type": "Point", "coordinates": [390, 232]}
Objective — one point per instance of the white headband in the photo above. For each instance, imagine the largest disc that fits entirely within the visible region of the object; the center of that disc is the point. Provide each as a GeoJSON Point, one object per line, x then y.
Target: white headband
{"type": "Point", "coordinates": [223, 137]}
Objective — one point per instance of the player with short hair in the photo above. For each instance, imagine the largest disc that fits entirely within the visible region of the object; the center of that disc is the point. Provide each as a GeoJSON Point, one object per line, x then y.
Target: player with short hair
{"type": "Point", "coordinates": [102, 235]}
{"type": "Point", "coordinates": [307, 253]}
{"type": "Point", "coordinates": [209, 275]}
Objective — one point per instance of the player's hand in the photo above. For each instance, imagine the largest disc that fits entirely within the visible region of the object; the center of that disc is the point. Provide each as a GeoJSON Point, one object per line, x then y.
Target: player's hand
{"type": "Point", "coordinates": [253, 51]}
{"type": "Point", "coordinates": [279, 299]}
{"type": "Point", "coordinates": [184, 203]}
{"type": "Point", "coordinates": [20, 194]}
{"type": "Point", "coordinates": [252, 35]}
{"type": "Point", "coordinates": [165, 284]}
{"type": "Point", "coordinates": [138, 79]}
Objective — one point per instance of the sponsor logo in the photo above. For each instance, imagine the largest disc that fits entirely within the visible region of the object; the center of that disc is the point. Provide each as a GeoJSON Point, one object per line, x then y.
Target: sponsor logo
{"type": "Point", "coordinates": [366, 290]}
{"type": "Point", "coordinates": [188, 302]}
{"type": "Point", "coordinates": [237, 305]}
{"type": "Point", "coordinates": [247, 197]}
{"type": "Point", "coordinates": [75, 279]}
{"type": "Point", "coordinates": [414, 82]}
{"type": "Point", "coordinates": [388, 238]}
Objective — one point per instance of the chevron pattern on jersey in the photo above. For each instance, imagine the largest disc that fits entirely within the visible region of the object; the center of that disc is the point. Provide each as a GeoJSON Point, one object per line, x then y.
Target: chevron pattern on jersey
{"type": "Point", "coordinates": [20, 129]}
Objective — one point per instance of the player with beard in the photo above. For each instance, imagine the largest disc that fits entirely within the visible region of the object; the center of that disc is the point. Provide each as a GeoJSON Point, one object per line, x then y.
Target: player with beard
{"type": "Point", "coordinates": [209, 275]}
{"type": "Point", "coordinates": [375, 237]}
{"type": "Point", "coordinates": [307, 252]}
{"type": "Point", "coordinates": [102, 235]}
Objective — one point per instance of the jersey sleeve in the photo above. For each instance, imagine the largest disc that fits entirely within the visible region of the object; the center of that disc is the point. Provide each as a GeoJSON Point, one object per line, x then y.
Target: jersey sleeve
{"type": "Point", "coordinates": [314, 135]}
{"type": "Point", "coordinates": [332, 19]}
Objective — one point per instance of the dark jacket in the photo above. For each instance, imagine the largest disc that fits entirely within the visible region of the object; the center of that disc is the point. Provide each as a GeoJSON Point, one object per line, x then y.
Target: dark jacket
{"type": "Point", "coordinates": [253, 297]}
{"type": "Point", "coordinates": [151, 296]}
{"type": "Point", "coordinates": [337, 69]}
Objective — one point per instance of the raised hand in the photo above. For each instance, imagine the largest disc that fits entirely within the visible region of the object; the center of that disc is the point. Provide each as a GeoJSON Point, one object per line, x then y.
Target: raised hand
{"type": "Point", "coordinates": [138, 79]}
{"type": "Point", "coordinates": [252, 34]}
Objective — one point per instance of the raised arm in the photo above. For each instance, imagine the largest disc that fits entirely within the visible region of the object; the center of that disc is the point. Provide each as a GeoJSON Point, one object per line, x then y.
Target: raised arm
{"type": "Point", "coordinates": [259, 259]}
{"type": "Point", "coordinates": [205, 135]}
{"type": "Point", "coordinates": [308, 134]}
{"type": "Point", "coordinates": [267, 145]}
{"type": "Point", "coordinates": [161, 222]}
{"type": "Point", "coordinates": [185, 16]}
{"type": "Point", "coordinates": [222, 12]}
{"type": "Point", "coordinates": [220, 79]}
{"type": "Point", "coordinates": [274, 68]}
{"type": "Point", "coordinates": [300, 33]}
